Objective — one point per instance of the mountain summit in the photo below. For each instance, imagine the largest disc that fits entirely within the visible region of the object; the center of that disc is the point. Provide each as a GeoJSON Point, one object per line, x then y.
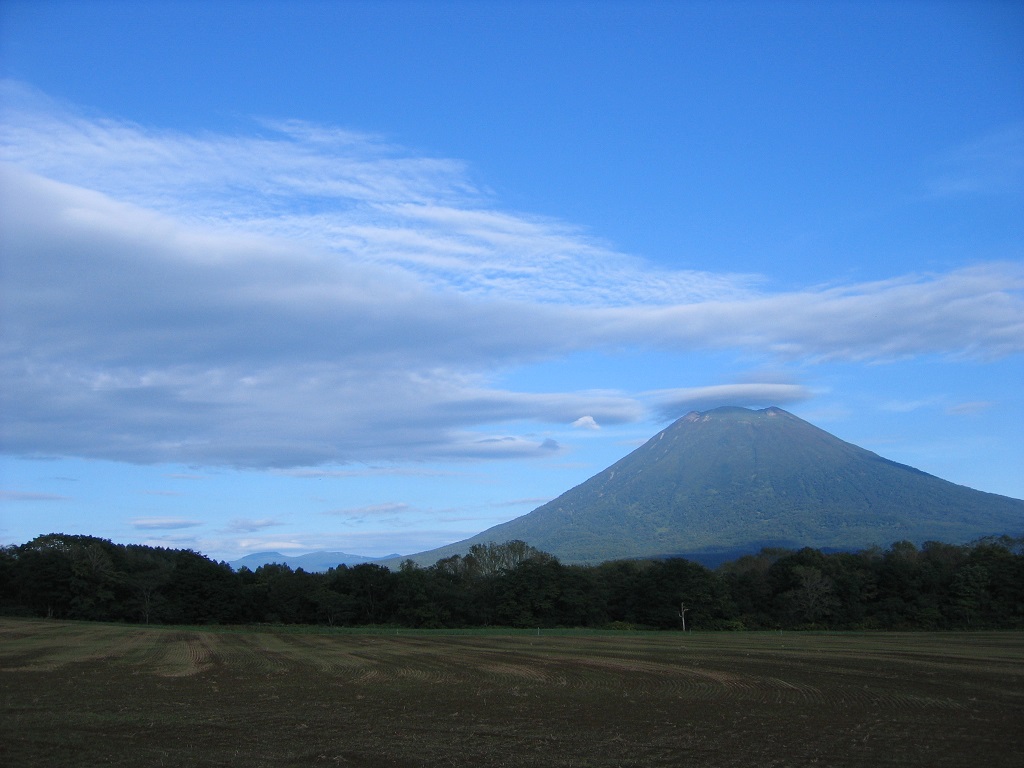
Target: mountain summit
{"type": "Point", "coordinates": [732, 480]}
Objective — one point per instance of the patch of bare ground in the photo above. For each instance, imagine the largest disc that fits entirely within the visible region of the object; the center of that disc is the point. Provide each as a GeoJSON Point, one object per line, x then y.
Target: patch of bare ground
{"type": "Point", "coordinates": [76, 694]}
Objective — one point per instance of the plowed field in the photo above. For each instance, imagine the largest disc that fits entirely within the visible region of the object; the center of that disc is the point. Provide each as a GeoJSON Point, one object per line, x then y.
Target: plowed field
{"type": "Point", "coordinates": [79, 694]}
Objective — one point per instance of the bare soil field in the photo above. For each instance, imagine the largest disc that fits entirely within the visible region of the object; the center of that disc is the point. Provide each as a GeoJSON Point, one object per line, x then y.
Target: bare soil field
{"type": "Point", "coordinates": [80, 694]}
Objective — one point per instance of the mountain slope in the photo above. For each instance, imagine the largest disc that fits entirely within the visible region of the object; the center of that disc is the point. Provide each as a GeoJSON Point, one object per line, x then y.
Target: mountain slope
{"type": "Point", "coordinates": [734, 480]}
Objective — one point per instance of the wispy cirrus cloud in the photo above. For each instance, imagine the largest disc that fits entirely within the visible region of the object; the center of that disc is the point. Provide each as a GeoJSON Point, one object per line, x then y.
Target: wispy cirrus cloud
{"type": "Point", "coordinates": [970, 408]}
{"type": "Point", "coordinates": [163, 523]}
{"type": "Point", "coordinates": [246, 525]}
{"type": "Point", "coordinates": [302, 296]}
{"type": "Point", "coordinates": [908, 406]}
{"type": "Point", "coordinates": [30, 496]}
{"type": "Point", "coordinates": [388, 509]}
{"type": "Point", "coordinates": [369, 471]}
{"type": "Point", "coordinates": [342, 192]}
{"type": "Point", "coordinates": [991, 164]}
{"type": "Point", "coordinates": [971, 312]}
{"type": "Point", "coordinates": [533, 501]}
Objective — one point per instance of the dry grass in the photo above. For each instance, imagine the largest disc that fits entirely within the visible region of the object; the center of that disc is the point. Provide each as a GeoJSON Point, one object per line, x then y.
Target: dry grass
{"type": "Point", "coordinates": [77, 694]}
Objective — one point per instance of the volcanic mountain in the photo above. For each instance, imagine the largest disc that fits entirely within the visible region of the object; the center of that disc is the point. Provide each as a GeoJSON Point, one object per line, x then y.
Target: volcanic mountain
{"type": "Point", "coordinates": [732, 480]}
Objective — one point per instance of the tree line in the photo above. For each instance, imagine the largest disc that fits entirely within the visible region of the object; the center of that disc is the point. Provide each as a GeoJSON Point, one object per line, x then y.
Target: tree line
{"type": "Point", "coordinates": [935, 586]}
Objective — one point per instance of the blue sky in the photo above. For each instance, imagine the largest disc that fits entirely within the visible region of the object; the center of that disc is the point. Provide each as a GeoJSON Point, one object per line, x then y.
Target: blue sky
{"type": "Point", "coordinates": [376, 276]}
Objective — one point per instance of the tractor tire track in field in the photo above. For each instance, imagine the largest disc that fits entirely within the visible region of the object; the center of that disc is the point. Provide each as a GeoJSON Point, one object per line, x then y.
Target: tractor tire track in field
{"type": "Point", "coordinates": [431, 663]}
{"type": "Point", "coordinates": [373, 661]}
{"type": "Point", "coordinates": [303, 696]}
{"type": "Point", "coordinates": [183, 654]}
{"type": "Point", "coordinates": [79, 644]}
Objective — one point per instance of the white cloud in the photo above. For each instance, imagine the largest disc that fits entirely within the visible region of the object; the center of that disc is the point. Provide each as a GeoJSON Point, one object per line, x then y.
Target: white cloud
{"type": "Point", "coordinates": [991, 164]}
{"type": "Point", "coordinates": [673, 403]}
{"type": "Point", "coordinates": [248, 545]}
{"type": "Point", "coordinates": [340, 192]}
{"type": "Point", "coordinates": [17, 496]}
{"type": "Point", "coordinates": [533, 501]}
{"type": "Point", "coordinates": [321, 473]}
{"type": "Point", "coordinates": [245, 525]}
{"type": "Point", "coordinates": [969, 408]}
{"type": "Point", "coordinates": [388, 509]}
{"type": "Point", "coordinates": [163, 523]}
{"type": "Point", "coordinates": [380, 542]}
{"type": "Point", "coordinates": [473, 446]}
{"type": "Point", "coordinates": [971, 312]}
{"type": "Point", "coordinates": [908, 406]}
{"type": "Point", "coordinates": [311, 296]}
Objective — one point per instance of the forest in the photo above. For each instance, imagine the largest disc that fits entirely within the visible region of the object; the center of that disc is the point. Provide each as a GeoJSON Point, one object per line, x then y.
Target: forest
{"type": "Point", "coordinates": [935, 586]}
